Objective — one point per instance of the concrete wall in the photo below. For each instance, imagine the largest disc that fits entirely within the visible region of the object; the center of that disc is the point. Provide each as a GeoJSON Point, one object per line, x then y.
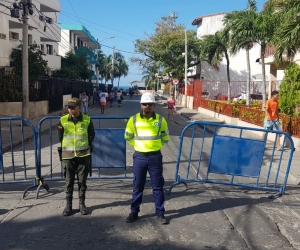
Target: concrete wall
{"type": "Point", "coordinates": [36, 109]}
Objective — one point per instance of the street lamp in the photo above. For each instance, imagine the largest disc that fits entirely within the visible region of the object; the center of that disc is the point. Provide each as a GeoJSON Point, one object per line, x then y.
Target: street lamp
{"type": "Point", "coordinates": [98, 43]}
{"type": "Point", "coordinates": [185, 69]}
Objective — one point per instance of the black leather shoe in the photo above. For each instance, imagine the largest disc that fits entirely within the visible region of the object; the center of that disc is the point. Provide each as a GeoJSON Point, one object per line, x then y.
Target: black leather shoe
{"type": "Point", "coordinates": [132, 217]}
{"type": "Point", "coordinates": [162, 219]}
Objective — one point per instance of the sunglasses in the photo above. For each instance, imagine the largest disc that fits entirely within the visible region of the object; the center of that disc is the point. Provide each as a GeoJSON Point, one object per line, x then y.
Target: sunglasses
{"type": "Point", "coordinates": [148, 104]}
{"type": "Point", "coordinates": [69, 107]}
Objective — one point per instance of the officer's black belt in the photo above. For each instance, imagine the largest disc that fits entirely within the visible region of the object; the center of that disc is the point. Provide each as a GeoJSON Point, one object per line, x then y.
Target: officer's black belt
{"type": "Point", "coordinates": [149, 153]}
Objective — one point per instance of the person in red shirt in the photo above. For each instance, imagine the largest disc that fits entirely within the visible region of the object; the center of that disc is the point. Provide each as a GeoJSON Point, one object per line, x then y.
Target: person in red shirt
{"type": "Point", "coordinates": [271, 121]}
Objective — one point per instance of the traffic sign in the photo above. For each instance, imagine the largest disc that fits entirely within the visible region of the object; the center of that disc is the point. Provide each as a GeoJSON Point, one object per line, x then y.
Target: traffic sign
{"type": "Point", "coordinates": [175, 81]}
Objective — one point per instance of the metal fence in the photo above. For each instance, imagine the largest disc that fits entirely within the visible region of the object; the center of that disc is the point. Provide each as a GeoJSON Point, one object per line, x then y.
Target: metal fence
{"type": "Point", "coordinates": [217, 90]}
{"type": "Point", "coordinates": [42, 89]}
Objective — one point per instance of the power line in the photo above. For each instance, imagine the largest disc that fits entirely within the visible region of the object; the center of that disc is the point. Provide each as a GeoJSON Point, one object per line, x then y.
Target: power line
{"type": "Point", "coordinates": [75, 12]}
{"type": "Point", "coordinates": [100, 30]}
{"type": "Point", "coordinates": [102, 25]}
{"type": "Point", "coordinates": [62, 45]}
{"type": "Point", "coordinates": [4, 13]}
{"type": "Point", "coordinates": [122, 50]}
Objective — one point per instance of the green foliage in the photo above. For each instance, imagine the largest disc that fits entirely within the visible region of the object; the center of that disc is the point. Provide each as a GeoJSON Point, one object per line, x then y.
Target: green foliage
{"type": "Point", "coordinates": [37, 65]}
{"type": "Point", "coordinates": [166, 46]}
{"type": "Point", "coordinates": [74, 67]}
{"type": "Point", "coordinates": [289, 97]}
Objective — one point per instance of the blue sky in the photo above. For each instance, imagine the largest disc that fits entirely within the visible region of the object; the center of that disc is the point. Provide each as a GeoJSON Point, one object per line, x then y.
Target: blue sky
{"type": "Point", "coordinates": [129, 20]}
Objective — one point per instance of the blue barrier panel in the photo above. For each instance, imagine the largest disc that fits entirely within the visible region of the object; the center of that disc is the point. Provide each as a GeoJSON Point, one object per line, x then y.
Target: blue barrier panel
{"type": "Point", "coordinates": [109, 149]}
{"type": "Point", "coordinates": [235, 158]}
{"type": "Point", "coordinates": [16, 166]}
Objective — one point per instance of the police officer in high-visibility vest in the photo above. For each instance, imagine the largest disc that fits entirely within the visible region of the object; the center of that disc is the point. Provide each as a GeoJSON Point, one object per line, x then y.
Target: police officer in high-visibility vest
{"type": "Point", "coordinates": [76, 133]}
{"type": "Point", "coordinates": [147, 132]}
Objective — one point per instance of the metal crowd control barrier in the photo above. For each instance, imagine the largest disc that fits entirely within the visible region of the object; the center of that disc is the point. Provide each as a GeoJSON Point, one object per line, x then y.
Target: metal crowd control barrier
{"type": "Point", "coordinates": [18, 160]}
{"type": "Point", "coordinates": [208, 156]}
{"type": "Point", "coordinates": [109, 150]}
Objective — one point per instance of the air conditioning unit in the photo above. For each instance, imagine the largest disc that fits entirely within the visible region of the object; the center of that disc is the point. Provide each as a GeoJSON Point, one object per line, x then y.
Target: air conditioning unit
{"type": "Point", "coordinates": [49, 20]}
{"type": "Point", "coordinates": [42, 18]}
{"type": "Point", "coordinates": [15, 13]}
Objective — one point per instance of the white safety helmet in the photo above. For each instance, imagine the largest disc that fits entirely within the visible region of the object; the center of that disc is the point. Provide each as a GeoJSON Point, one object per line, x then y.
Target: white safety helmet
{"type": "Point", "coordinates": [147, 98]}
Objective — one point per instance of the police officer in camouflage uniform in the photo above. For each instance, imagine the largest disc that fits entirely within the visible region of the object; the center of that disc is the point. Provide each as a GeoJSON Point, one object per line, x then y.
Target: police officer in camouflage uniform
{"type": "Point", "coordinates": [76, 133]}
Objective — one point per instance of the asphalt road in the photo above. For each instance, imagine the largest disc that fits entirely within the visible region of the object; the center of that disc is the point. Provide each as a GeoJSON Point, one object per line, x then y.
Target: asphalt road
{"type": "Point", "coordinates": [202, 216]}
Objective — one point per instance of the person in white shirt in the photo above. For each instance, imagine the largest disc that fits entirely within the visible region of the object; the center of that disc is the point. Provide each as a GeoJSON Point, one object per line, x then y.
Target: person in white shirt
{"type": "Point", "coordinates": [103, 100]}
{"type": "Point", "coordinates": [119, 98]}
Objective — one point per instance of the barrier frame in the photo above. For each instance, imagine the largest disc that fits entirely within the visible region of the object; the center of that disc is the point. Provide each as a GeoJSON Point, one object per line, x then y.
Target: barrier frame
{"type": "Point", "coordinates": [23, 122]}
{"type": "Point", "coordinates": [206, 126]}
{"type": "Point", "coordinates": [41, 183]}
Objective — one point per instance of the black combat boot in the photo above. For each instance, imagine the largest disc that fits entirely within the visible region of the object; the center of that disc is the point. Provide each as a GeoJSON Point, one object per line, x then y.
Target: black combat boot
{"type": "Point", "coordinates": [68, 209]}
{"type": "Point", "coordinates": [82, 207]}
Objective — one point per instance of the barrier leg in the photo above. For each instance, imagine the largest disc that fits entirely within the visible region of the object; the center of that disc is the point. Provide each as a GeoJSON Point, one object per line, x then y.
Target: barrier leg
{"type": "Point", "coordinates": [177, 183]}
{"type": "Point", "coordinates": [38, 183]}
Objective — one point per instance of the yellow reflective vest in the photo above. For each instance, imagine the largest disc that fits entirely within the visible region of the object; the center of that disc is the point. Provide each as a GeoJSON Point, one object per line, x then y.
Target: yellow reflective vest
{"type": "Point", "coordinates": [75, 137]}
{"type": "Point", "coordinates": [147, 135]}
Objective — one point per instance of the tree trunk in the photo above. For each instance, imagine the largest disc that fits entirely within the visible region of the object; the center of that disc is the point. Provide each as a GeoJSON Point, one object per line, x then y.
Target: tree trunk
{"type": "Point", "coordinates": [228, 78]}
{"type": "Point", "coordinates": [263, 48]}
{"type": "Point", "coordinates": [248, 77]}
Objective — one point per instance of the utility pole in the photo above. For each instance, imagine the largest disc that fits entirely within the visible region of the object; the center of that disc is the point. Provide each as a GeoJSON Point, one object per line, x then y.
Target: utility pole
{"type": "Point", "coordinates": [25, 84]}
{"type": "Point", "coordinates": [112, 66]}
{"type": "Point", "coordinates": [97, 69]}
{"type": "Point", "coordinates": [185, 69]}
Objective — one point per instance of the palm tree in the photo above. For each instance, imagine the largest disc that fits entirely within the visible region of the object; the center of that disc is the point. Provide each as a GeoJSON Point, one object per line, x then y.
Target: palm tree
{"type": "Point", "coordinates": [287, 35]}
{"type": "Point", "coordinates": [149, 74]}
{"type": "Point", "coordinates": [214, 48]}
{"type": "Point", "coordinates": [265, 25]}
{"type": "Point", "coordinates": [240, 25]}
{"type": "Point", "coordinates": [122, 69]}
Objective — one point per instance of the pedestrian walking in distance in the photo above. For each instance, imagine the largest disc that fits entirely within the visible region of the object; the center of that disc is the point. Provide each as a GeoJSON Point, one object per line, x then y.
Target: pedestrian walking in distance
{"type": "Point", "coordinates": [85, 103]}
{"type": "Point", "coordinates": [171, 107]}
{"type": "Point", "coordinates": [147, 132]}
{"type": "Point", "coordinates": [76, 133]}
{"type": "Point", "coordinates": [271, 121]}
{"type": "Point", "coordinates": [103, 100]}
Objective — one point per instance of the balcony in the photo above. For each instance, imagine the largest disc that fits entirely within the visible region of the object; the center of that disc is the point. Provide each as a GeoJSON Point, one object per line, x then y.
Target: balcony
{"type": "Point", "coordinates": [269, 58]}
{"type": "Point", "coordinates": [91, 57]}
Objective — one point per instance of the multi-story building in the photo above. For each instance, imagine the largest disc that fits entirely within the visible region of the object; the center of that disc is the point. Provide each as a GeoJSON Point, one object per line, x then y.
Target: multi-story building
{"type": "Point", "coordinates": [76, 38]}
{"type": "Point", "coordinates": [209, 25]}
{"type": "Point", "coordinates": [43, 30]}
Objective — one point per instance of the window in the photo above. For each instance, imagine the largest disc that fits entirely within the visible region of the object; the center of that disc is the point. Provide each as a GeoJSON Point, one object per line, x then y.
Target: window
{"type": "Point", "coordinates": [43, 48]}
{"type": "Point", "coordinates": [29, 39]}
{"type": "Point", "coordinates": [2, 36]}
{"type": "Point", "coordinates": [13, 36]}
{"type": "Point", "coordinates": [49, 49]}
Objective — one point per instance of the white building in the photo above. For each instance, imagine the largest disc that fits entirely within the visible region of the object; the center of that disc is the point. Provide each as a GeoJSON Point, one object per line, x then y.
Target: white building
{"type": "Point", "coordinates": [76, 38]}
{"type": "Point", "coordinates": [209, 25]}
{"type": "Point", "coordinates": [43, 31]}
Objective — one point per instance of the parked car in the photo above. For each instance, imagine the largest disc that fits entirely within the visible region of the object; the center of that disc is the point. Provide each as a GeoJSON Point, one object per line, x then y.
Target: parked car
{"type": "Point", "coordinates": [205, 94]}
{"type": "Point", "coordinates": [222, 97]}
{"type": "Point", "coordinates": [239, 97]}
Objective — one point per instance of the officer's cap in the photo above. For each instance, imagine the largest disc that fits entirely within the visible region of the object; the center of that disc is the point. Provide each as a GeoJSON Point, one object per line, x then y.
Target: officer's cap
{"type": "Point", "coordinates": [74, 102]}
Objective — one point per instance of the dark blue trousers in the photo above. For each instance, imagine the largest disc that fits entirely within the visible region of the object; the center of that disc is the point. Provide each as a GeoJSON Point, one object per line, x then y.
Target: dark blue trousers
{"type": "Point", "coordinates": [152, 164]}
